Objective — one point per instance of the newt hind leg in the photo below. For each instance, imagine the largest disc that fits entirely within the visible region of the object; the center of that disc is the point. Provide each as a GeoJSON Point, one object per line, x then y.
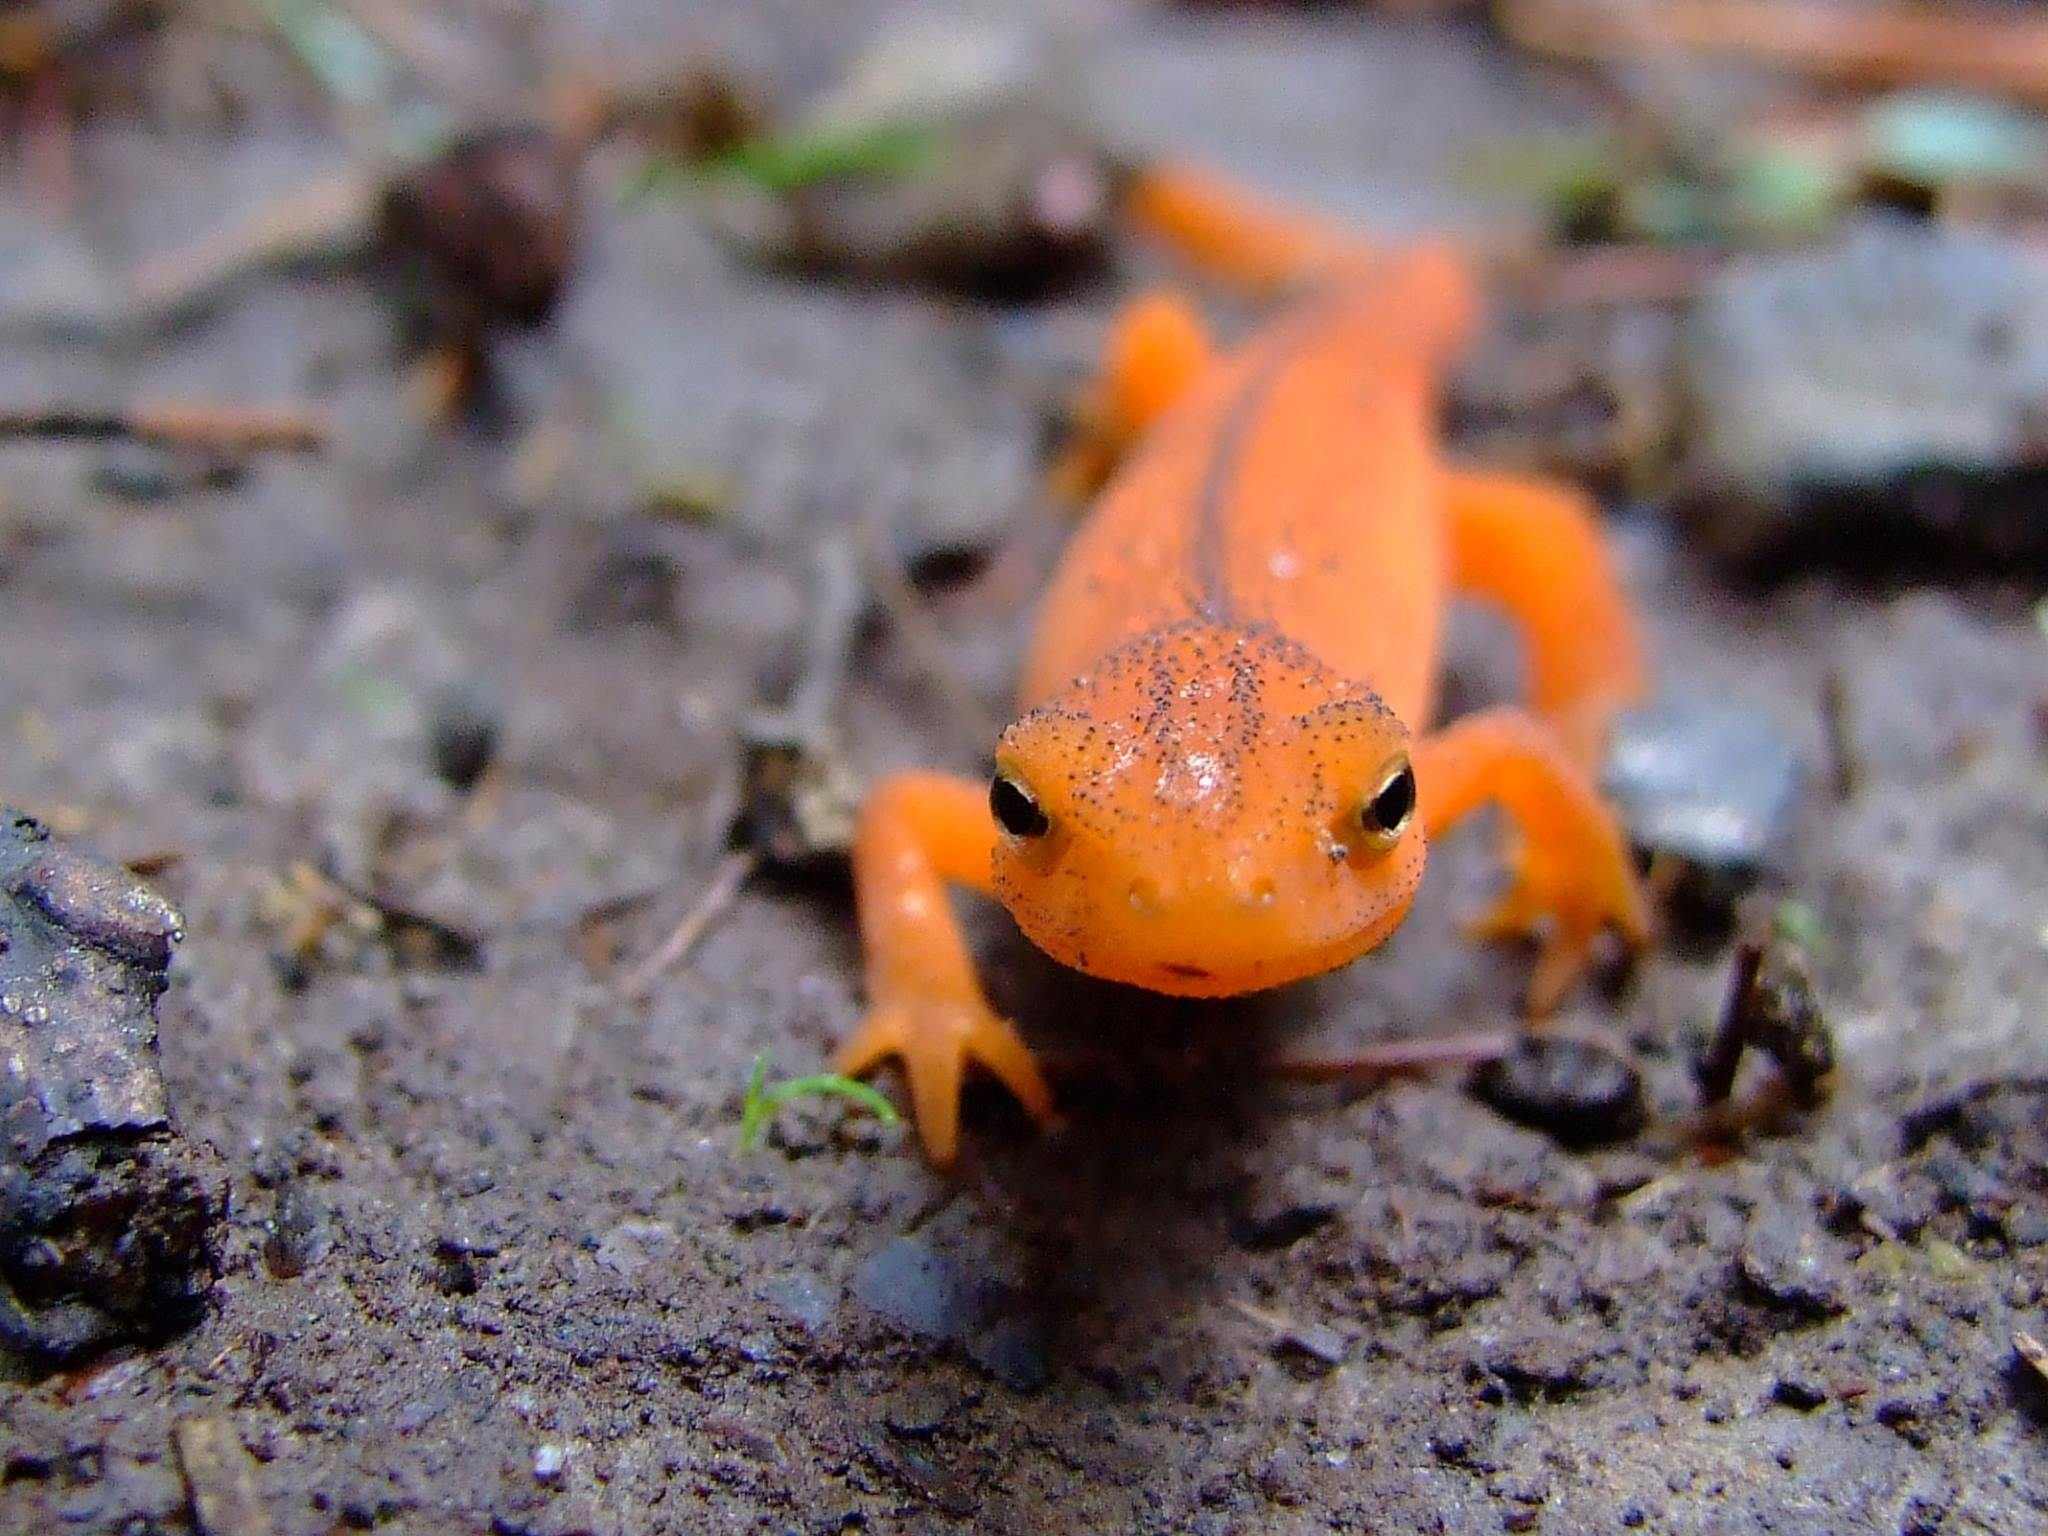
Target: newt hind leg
{"type": "Point", "coordinates": [917, 832]}
{"type": "Point", "coordinates": [1534, 549]}
{"type": "Point", "coordinates": [1157, 348]}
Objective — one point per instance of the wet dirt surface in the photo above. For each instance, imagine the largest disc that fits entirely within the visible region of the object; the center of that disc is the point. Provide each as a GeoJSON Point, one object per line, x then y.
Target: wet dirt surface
{"type": "Point", "coordinates": [494, 1259]}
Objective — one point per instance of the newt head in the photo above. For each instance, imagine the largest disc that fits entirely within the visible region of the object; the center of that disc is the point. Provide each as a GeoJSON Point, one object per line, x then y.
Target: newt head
{"type": "Point", "coordinates": [1209, 811]}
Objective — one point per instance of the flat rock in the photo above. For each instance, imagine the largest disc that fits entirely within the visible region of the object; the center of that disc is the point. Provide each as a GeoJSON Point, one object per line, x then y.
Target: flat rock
{"type": "Point", "coordinates": [1880, 392]}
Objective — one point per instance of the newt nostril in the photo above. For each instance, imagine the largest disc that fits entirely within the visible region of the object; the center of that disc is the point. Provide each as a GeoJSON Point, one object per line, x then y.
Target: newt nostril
{"type": "Point", "coordinates": [1254, 891]}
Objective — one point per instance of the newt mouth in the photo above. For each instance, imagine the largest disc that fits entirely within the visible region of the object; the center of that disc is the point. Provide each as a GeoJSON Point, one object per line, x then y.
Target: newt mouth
{"type": "Point", "coordinates": [1191, 972]}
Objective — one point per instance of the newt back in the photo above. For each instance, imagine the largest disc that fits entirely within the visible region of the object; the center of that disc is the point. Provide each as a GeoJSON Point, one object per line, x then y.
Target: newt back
{"type": "Point", "coordinates": [1295, 488]}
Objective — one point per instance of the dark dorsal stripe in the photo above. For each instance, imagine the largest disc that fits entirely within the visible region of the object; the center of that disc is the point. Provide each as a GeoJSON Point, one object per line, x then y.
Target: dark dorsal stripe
{"type": "Point", "coordinates": [1207, 549]}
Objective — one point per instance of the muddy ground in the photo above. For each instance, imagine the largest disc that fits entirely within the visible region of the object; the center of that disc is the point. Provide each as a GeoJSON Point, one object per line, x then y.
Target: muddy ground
{"type": "Point", "coordinates": [495, 1260]}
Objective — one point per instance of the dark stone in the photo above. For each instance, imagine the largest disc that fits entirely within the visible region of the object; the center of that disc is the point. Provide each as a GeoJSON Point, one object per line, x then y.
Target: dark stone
{"type": "Point", "coordinates": [633, 581]}
{"type": "Point", "coordinates": [1012, 1350]}
{"type": "Point", "coordinates": [455, 1269]}
{"type": "Point", "coordinates": [1708, 788]}
{"type": "Point", "coordinates": [1908, 1419]}
{"type": "Point", "coordinates": [1798, 1392]}
{"type": "Point", "coordinates": [1281, 1214]}
{"type": "Point", "coordinates": [106, 1215]}
{"type": "Point", "coordinates": [464, 734]}
{"type": "Point", "coordinates": [1540, 1362]}
{"type": "Point", "coordinates": [922, 1291]}
{"type": "Point", "coordinates": [103, 1242]}
{"type": "Point", "coordinates": [1579, 1091]}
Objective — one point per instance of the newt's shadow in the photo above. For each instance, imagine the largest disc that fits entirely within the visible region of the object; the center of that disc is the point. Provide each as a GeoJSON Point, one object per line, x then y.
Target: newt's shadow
{"type": "Point", "coordinates": [1114, 1218]}
{"type": "Point", "coordinates": [1122, 1227]}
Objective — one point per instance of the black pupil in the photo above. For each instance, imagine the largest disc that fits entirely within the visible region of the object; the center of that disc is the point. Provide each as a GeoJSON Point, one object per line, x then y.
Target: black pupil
{"type": "Point", "coordinates": [1015, 811]}
{"type": "Point", "coordinates": [1393, 805]}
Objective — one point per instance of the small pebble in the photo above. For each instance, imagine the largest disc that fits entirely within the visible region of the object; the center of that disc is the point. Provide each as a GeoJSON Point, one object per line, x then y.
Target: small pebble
{"type": "Point", "coordinates": [634, 581]}
{"type": "Point", "coordinates": [107, 1214]}
{"type": "Point", "coordinates": [297, 1238]}
{"type": "Point", "coordinates": [1798, 1392]}
{"type": "Point", "coordinates": [549, 1463]}
{"type": "Point", "coordinates": [464, 734]}
{"type": "Point", "coordinates": [1280, 1213]}
{"type": "Point", "coordinates": [1787, 1263]}
{"type": "Point", "coordinates": [802, 1297]}
{"type": "Point", "coordinates": [1279, 1478]}
{"type": "Point", "coordinates": [918, 1289]}
{"type": "Point", "coordinates": [1581, 1092]}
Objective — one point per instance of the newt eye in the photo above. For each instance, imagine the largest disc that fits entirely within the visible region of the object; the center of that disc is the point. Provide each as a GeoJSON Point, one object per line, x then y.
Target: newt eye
{"type": "Point", "coordinates": [1015, 809]}
{"type": "Point", "coordinates": [1388, 809]}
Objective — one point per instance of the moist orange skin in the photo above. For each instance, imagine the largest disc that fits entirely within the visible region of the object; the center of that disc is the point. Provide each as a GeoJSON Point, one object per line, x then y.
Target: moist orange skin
{"type": "Point", "coordinates": [1239, 645]}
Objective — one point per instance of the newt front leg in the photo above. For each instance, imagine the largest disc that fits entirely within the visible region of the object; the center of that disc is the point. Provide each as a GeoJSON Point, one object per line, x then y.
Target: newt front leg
{"type": "Point", "coordinates": [917, 832]}
{"type": "Point", "coordinates": [1534, 550]}
{"type": "Point", "coordinates": [1569, 864]}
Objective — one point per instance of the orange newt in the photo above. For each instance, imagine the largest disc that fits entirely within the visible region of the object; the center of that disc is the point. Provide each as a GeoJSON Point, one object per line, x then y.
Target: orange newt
{"type": "Point", "coordinates": [1216, 785]}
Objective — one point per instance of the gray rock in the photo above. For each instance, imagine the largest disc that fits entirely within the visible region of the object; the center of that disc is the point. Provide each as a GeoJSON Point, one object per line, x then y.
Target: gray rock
{"type": "Point", "coordinates": [917, 1288]}
{"type": "Point", "coordinates": [923, 1291]}
{"type": "Point", "coordinates": [83, 952]}
{"type": "Point", "coordinates": [1792, 1267]}
{"type": "Point", "coordinates": [1884, 394]}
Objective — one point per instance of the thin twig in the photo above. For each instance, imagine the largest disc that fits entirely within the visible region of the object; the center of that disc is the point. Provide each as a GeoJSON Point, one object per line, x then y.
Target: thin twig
{"type": "Point", "coordinates": [1716, 1070]}
{"type": "Point", "coordinates": [1840, 735]}
{"type": "Point", "coordinates": [329, 221]}
{"type": "Point", "coordinates": [1395, 1058]}
{"type": "Point", "coordinates": [2032, 1351]}
{"type": "Point", "coordinates": [1974, 47]}
{"type": "Point", "coordinates": [218, 426]}
{"type": "Point", "coordinates": [1615, 276]}
{"type": "Point", "coordinates": [726, 880]}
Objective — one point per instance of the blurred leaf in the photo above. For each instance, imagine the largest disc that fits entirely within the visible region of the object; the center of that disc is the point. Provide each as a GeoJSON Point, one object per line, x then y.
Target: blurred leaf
{"type": "Point", "coordinates": [336, 50]}
{"type": "Point", "coordinates": [1671, 209]}
{"type": "Point", "coordinates": [1797, 923]}
{"type": "Point", "coordinates": [1931, 139]}
{"type": "Point", "coordinates": [1783, 190]}
{"type": "Point", "coordinates": [353, 67]}
{"type": "Point", "coordinates": [372, 695]}
{"type": "Point", "coordinates": [1561, 169]}
{"type": "Point", "coordinates": [787, 162]}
